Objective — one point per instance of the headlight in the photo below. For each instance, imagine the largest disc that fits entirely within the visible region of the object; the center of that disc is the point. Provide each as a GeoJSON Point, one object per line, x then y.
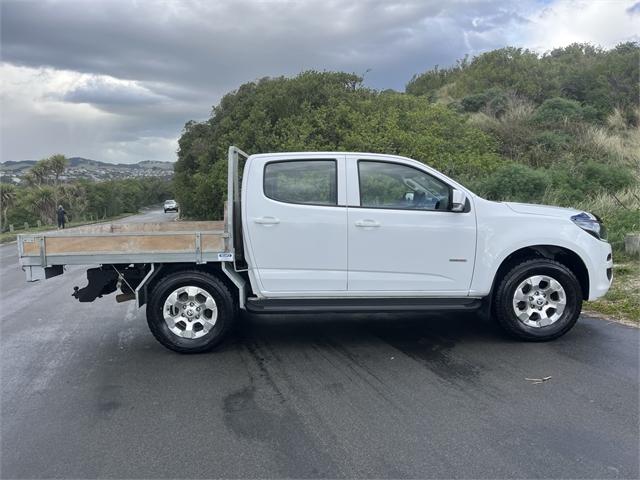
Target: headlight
{"type": "Point", "coordinates": [591, 224]}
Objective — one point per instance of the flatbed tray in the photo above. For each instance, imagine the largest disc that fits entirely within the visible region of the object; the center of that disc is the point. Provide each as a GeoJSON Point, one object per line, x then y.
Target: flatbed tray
{"type": "Point", "coordinates": [168, 242]}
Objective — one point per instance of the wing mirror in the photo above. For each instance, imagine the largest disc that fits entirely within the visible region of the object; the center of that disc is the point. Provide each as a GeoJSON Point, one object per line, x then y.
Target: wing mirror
{"type": "Point", "coordinates": [458, 200]}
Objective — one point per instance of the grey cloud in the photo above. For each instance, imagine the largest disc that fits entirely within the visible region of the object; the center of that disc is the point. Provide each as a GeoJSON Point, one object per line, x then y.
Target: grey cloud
{"type": "Point", "coordinates": [184, 55]}
{"type": "Point", "coordinates": [218, 44]}
{"type": "Point", "coordinates": [490, 22]}
{"type": "Point", "coordinates": [98, 91]}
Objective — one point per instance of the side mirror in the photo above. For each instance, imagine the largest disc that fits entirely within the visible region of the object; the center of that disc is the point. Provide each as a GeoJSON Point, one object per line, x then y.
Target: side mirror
{"type": "Point", "coordinates": [458, 200]}
{"type": "Point", "coordinates": [408, 197]}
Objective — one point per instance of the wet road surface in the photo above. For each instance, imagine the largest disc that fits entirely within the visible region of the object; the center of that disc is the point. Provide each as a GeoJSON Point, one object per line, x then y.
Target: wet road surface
{"type": "Point", "coordinates": [87, 392]}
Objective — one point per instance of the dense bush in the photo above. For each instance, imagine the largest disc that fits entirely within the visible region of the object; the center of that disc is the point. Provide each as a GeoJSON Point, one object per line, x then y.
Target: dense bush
{"type": "Point", "coordinates": [514, 182]}
{"type": "Point", "coordinates": [551, 141]}
{"type": "Point", "coordinates": [322, 111]}
{"type": "Point", "coordinates": [557, 112]}
{"type": "Point", "coordinates": [493, 101]}
{"type": "Point", "coordinates": [571, 185]}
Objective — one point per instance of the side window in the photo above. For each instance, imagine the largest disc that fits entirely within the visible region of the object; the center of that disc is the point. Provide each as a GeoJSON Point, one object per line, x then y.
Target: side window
{"type": "Point", "coordinates": [310, 182]}
{"type": "Point", "coordinates": [393, 185]}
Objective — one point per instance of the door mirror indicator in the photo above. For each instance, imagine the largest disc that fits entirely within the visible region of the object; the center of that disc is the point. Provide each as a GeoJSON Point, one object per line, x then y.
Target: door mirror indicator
{"type": "Point", "coordinates": [458, 200]}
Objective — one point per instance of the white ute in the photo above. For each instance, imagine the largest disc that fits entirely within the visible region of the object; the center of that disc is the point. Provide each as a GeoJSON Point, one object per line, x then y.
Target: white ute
{"type": "Point", "coordinates": [340, 232]}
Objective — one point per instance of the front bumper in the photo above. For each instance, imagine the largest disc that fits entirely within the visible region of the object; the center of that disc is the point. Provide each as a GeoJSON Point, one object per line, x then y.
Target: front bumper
{"type": "Point", "coordinates": [600, 270]}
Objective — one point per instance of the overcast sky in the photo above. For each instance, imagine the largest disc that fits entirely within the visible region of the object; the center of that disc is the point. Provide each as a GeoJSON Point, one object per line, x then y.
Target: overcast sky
{"type": "Point", "coordinates": [116, 80]}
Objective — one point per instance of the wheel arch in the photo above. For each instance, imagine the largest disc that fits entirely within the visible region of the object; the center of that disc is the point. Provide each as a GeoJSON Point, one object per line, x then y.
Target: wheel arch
{"type": "Point", "coordinates": [167, 269]}
{"type": "Point", "coordinates": [566, 256]}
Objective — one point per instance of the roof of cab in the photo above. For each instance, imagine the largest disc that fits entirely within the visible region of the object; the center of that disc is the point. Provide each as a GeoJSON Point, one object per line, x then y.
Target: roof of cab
{"type": "Point", "coordinates": [321, 154]}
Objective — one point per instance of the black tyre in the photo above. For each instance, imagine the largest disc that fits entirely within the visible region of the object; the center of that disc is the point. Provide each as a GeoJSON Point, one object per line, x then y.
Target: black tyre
{"type": "Point", "coordinates": [538, 300]}
{"type": "Point", "coordinates": [190, 311]}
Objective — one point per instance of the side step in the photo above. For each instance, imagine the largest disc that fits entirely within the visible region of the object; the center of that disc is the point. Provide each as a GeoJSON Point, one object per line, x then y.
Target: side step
{"type": "Point", "coordinates": [342, 305]}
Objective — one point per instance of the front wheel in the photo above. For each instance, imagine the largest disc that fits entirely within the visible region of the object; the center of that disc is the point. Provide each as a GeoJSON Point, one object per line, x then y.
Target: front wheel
{"type": "Point", "coordinates": [190, 311]}
{"type": "Point", "coordinates": [538, 300]}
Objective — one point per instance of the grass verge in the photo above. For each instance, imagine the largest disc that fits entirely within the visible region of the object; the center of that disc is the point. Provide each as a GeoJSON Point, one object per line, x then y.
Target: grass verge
{"type": "Point", "coordinates": [622, 302]}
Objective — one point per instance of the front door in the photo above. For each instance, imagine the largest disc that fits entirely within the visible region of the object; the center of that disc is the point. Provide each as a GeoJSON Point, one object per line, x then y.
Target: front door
{"type": "Point", "coordinates": [296, 224]}
{"type": "Point", "coordinates": [403, 239]}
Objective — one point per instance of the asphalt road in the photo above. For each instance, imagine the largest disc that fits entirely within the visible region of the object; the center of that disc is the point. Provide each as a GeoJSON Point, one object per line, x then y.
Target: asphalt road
{"type": "Point", "coordinates": [87, 392]}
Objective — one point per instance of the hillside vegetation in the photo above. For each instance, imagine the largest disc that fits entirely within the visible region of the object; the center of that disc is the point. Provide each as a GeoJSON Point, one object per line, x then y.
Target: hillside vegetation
{"type": "Point", "coordinates": [560, 128]}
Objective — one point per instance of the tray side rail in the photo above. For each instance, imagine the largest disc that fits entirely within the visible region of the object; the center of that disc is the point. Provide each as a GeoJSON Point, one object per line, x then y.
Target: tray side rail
{"type": "Point", "coordinates": [41, 255]}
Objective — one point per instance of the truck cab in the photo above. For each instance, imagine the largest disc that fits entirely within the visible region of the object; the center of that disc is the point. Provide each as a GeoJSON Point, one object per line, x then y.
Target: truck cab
{"type": "Point", "coordinates": [355, 225]}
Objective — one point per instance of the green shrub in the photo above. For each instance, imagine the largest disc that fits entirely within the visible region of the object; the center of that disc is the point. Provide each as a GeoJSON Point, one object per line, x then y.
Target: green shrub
{"type": "Point", "coordinates": [558, 110]}
{"type": "Point", "coordinates": [456, 106]}
{"type": "Point", "coordinates": [474, 103]}
{"type": "Point", "coordinates": [498, 102]}
{"type": "Point", "coordinates": [599, 177]}
{"type": "Point", "coordinates": [551, 141]}
{"type": "Point", "coordinates": [572, 185]}
{"type": "Point", "coordinates": [592, 115]}
{"type": "Point", "coordinates": [494, 101]}
{"type": "Point", "coordinates": [514, 182]}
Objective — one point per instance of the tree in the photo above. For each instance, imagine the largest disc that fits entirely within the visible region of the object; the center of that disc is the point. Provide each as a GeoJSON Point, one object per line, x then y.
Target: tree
{"type": "Point", "coordinates": [74, 196]}
{"type": "Point", "coordinates": [44, 204]}
{"type": "Point", "coordinates": [56, 164]}
{"type": "Point", "coordinates": [38, 175]}
{"type": "Point", "coordinates": [7, 199]}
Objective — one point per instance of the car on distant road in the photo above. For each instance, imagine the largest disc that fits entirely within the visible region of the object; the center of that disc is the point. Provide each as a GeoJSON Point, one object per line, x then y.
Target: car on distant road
{"type": "Point", "coordinates": [170, 206]}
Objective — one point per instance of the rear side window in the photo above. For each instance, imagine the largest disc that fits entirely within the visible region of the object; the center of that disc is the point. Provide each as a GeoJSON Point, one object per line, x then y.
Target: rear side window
{"type": "Point", "coordinates": [312, 182]}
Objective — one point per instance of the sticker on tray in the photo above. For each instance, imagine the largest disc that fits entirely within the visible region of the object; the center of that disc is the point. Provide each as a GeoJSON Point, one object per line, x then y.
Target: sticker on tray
{"type": "Point", "coordinates": [225, 257]}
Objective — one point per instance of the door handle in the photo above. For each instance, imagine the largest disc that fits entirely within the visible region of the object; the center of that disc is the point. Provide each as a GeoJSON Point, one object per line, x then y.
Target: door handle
{"type": "Point", "coordinates": [267, 220]}
{"type": "Point", "coordinates": [367, 223]}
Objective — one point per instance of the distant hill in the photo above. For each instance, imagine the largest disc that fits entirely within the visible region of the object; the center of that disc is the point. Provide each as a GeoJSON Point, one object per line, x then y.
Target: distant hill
{"type": "Point", "coordinates": [11, 165]}
{"type": "Point", "coordinates": [88, 163]}
{"type": "Point", "coordinates": [86, 168]}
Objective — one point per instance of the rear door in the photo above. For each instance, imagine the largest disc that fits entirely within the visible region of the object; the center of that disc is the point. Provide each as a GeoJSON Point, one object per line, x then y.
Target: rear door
{"type": "Point", "coordinates": [403, 239]}
{"type": "Point", "coordinates": [296, 223]}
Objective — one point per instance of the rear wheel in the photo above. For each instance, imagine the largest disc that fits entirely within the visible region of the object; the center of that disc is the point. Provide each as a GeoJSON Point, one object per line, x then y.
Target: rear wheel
{"type": "Point", "coordinates": [538, 300]}
{"type": "Point", "coordinates": [190, 311]}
